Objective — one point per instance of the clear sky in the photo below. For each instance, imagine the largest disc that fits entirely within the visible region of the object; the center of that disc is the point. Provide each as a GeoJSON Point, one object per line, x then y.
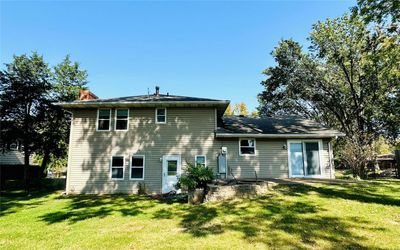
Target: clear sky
{"type": "Point", "coordinates": [197, 48]}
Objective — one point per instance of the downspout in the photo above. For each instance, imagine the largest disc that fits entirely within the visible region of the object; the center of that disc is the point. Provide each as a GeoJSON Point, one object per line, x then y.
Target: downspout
{"type": "Point", "coordinates": [69, 153]}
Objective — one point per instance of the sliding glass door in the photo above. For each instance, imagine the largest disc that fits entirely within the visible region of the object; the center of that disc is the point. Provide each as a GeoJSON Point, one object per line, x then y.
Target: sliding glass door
{"type": "Point", "coordinates": [304, 158]}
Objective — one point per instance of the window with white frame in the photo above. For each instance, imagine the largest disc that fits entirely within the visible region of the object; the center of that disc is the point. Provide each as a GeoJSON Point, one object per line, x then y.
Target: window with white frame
{"type": "Point", "coordinates": [247, 146]}
{"type": "Point", "coordinates": [161, 115]}
{"type": "Point", "coordinates": [137, 167]}
{"type": "Point", "coordinates": [117, 167]}
{"type": "Point", "coordinates": [200, 160]}
{"type": "Point", "coordinates": [103, 119]}
{"type": "Point", "coordinates": [121, 119]}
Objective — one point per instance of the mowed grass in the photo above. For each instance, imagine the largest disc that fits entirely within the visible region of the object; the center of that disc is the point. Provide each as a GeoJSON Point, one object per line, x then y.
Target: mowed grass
{"type": "Point", "coordinates": [364, 215]}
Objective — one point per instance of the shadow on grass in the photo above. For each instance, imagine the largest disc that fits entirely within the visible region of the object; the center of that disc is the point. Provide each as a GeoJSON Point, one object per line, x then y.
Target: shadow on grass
{"type": "Point", "coordinates": [83, 207]}
{"type": "Point", "coordinates": [277, 220]}
{"type": "Point", "coordinates": [12, 201]}
{"type": "Point", "coordinates": [366, 193]}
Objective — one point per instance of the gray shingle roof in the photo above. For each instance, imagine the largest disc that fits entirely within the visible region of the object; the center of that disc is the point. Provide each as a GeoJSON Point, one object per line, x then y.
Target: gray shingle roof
{"type": "Point", "coordinates": [294, 127]}
{"type": "Point", "coordinates": [149, 101]}
{"type": "Point", "coordinates": [149, 98]}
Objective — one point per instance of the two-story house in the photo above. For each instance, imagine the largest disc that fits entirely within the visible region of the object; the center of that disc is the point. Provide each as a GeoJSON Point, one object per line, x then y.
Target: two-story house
{"type": "Point", "coordinates": [117, 143]}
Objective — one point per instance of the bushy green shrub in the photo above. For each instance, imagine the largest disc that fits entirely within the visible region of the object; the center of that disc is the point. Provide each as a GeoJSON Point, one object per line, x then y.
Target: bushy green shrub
{"type": "Point", "coordinates": [195, 176]}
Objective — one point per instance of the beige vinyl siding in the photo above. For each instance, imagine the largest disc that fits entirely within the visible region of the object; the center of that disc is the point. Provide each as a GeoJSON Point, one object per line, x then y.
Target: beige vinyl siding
{"type": "Point", "coordinates": [187, 132]}
{"type": "Point", "coordinates": [270, 160]}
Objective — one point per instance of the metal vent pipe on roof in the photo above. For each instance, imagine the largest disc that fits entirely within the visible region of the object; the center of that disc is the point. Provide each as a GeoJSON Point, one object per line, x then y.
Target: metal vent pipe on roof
{"type": "Point", "coordinates": [157, 91]}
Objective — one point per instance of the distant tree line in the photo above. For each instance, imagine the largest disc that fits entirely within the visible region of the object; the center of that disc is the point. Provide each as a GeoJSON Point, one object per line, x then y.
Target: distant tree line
{"type": "Point", "coordinates": [241, 110]}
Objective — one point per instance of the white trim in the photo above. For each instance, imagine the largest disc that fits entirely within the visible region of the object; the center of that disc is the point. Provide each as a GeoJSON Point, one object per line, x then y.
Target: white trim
{"type": "Point", "coordinates": [331, 163]}
{"type": "Point", "coordinates": [320, 152]}
{"type": "Point", "coordinates": [115, 120]}
{"type": "Point", "coordinates": [67, 185]}
{"type": "Point", "coordinates": [123, 168]}
{"type": "Point", "coordinates": [157, 122]}
{"type": "Point", "coordinates": [255, 147]}
{"type": "Point", "coordinates": [97, 120]}
{"type": "Point", "coordinates": [294, 136]}
{"type": "Point", "coordinates": [130, 167]}
{"type": "Point", "coordinates": [205, 159]}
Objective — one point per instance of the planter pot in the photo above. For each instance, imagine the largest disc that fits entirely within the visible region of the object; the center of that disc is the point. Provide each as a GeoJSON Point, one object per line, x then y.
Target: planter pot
{"type": "Point", "coordinates": [196, 196]}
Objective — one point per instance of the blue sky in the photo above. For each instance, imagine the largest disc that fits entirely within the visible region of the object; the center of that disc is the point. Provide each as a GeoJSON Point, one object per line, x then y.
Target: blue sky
{"type": "Point", "coordinates": [197, 48]}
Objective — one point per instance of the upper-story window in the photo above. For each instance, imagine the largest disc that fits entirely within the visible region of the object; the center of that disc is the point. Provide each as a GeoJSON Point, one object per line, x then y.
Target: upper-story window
{"type": "Point", "coordinates": [161, 115]}
{"type": "Point", "coordinates": [200, 160]}
{"type": "Point", "coordinates": [247, 146]}
{"type": "Point", "coordinates": [121, 119]}
{"type": "Point", "coordinates": [103, 119]}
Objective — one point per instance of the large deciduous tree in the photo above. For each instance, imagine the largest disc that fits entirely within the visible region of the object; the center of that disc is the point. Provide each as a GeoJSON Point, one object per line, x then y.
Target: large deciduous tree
{"type": "Point", "coordinates": [67, 80]}
{"type": "Point", "coordinates": [348, 78]}
{"type": "Point", "coordinates": [25, 87]}
{"type": "Point", "coordinates": [28, 90]}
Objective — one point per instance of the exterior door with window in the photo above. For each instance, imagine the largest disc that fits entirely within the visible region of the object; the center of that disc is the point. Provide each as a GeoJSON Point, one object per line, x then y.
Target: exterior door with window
{"type": "Point", "coordinates": [304, 158]}
{"type": "Point", "coordinates": [171, 172]}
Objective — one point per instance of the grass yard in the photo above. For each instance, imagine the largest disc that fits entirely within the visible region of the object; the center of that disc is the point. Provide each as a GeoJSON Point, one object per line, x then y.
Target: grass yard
{"type": "Point", "coordinates": [365, 215]}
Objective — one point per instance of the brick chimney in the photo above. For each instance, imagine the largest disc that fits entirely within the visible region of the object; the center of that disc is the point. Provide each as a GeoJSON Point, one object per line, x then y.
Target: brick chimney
{"type": "Point", "coordinates": [157, 93]}
{"type": "Point", "coordinates": [85, 95]}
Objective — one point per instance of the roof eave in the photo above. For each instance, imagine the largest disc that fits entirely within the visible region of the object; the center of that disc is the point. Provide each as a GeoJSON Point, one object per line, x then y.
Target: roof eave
{"type": "Point", "coordinates": [276, 136]}
{"type": "Point", "coordinates": [91, 104]}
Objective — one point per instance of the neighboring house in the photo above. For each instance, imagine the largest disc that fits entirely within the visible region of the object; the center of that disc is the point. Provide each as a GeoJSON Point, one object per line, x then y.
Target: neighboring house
{"type": "Point", "coordinates": [13, 156]}
{"type": "Point", "coordinates": [12, 161]}
{"type": "Point", "coordinates": [115, 144]}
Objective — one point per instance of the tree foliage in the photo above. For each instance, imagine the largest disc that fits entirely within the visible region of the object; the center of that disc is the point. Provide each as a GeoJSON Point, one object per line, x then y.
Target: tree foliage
{"type": "Point", "coordinates": [28, 89]}
{"type": "Point", "coordinates": [348, 78]}
{"type": "Point", "coordinates": [229, 110]}
{"type": "Point", "coordinates": [241, 109]}
{"type": "Point", "coordinates": [378, 10]}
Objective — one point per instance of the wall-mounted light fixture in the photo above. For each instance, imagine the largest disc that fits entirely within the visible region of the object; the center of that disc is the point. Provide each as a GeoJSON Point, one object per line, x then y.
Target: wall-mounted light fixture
{"type": "Point", "coordinates": [284, 147]}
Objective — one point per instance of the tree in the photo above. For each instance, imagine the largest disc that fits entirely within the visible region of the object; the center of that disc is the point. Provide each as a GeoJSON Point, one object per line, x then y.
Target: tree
{"type": "Point", "coordinates": [229, 110]}
{"type": "Point", "coordinates": [378, 10]}
{"type": "Point", "coordinates": [28, 89]}
{"type": "Point", "coordinates": [24, 89]}
{"type": "Point", "coordinates": [68, 79]}
{"type": "Point", "coordinates": [241, 109]}
{"type": "Point", "coordinates": [255, 114]}
{"type": "Point", "coordinates": [348, 79]}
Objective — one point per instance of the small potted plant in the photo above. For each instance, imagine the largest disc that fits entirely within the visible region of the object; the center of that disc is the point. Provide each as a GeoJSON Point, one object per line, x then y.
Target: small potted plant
{"type": "Point", "coordinates": [195, 180]}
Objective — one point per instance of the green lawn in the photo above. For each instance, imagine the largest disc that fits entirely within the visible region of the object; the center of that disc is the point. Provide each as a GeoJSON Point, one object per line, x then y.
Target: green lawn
{"type": "Point", "coordinates": [356, 216]}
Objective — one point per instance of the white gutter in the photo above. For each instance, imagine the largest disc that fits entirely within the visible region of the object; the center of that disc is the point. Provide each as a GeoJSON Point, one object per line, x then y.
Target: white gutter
{"type": "Point", "coordinates": [272, 136]}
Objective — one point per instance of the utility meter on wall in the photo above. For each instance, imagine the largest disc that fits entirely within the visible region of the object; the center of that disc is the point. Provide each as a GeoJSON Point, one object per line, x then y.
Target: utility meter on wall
{"type": "Point", "coordinates": [224, 150]}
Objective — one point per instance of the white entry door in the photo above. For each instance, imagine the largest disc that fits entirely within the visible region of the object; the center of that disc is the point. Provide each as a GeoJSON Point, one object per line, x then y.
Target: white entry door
{"type": "Point", "coordinates": [171, 172]}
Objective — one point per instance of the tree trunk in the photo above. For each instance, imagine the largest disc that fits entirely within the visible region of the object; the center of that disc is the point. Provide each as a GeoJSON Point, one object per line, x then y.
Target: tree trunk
{"type": "Point", "coordinates": [46, 158]}
{"type": "Point", "coordinates": [26, 170]}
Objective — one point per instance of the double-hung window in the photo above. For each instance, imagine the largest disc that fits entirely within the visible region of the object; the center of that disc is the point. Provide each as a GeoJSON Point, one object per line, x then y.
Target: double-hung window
{"type": "Point", "coordinates": [117, 167]}
{"type": "Point", "coordinates": [121, 119]}
{"type": "Point", "coordinates": [137, 167]}
{"type": "Point", "coordinates": [161, 115]}
{"type": "Point", "coordinates": [200, 160]}
{"type": "Point", "coordinates": [103, 119]}
{"type": "Point", "coordinates": [247, 146]}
